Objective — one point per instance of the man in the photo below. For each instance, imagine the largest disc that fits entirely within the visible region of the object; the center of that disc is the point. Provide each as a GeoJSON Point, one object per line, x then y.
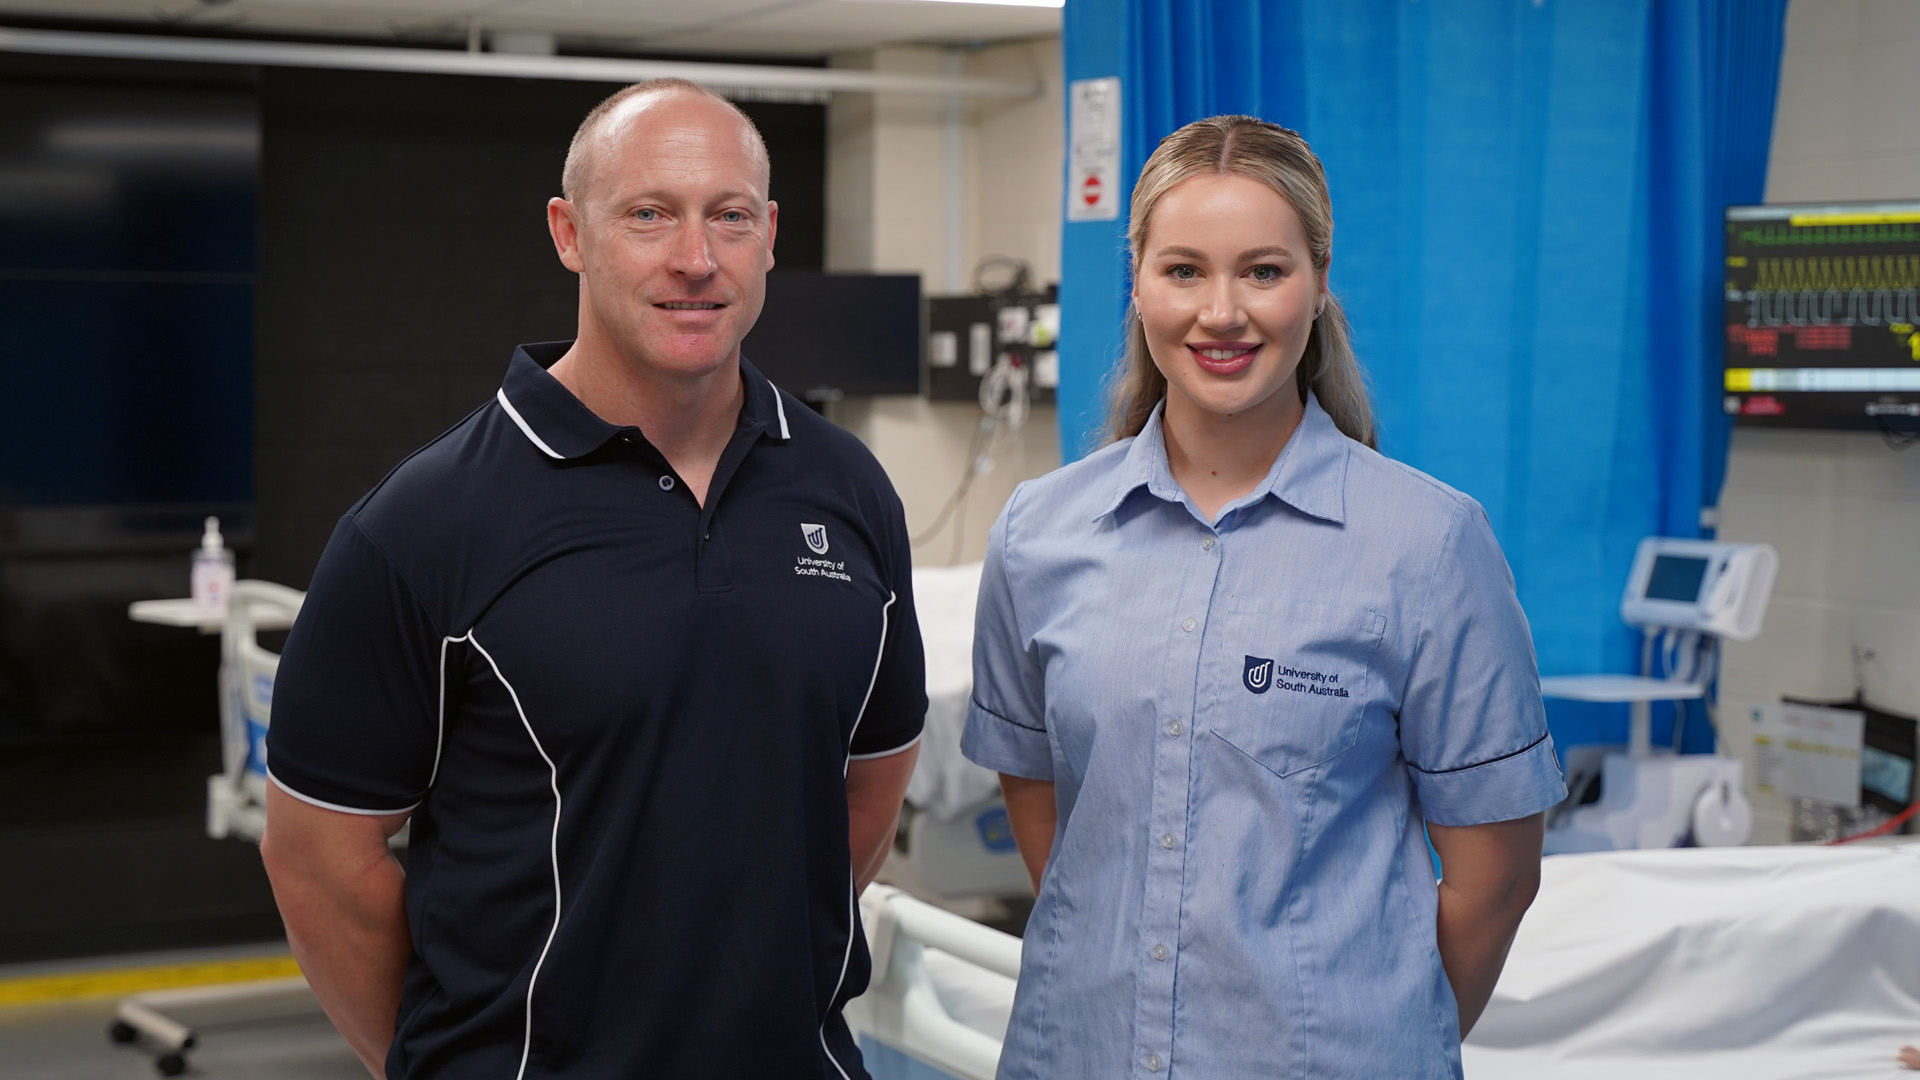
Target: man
{"type": "Point", "coordinates": [633, 648]}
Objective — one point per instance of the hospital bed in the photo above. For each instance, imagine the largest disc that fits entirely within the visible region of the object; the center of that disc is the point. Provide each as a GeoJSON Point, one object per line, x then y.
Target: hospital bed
{"type": "Point", "coordinates": [1759, 963]}
{"type": "Point", "coordinates": [958, 837]}
{"type": "Point", "coordinates": [941, 991]}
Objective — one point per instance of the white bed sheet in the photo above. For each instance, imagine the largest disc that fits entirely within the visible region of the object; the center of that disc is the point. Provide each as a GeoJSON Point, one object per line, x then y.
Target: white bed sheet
{"type": "Point", "coordinates": [978, 998]}
{"type": "Point", "coordinates": [1762, 963]}
{"type": "Point", "coordinates": [1770, 963]}
{"type": "Point", "coordinates": [944, 783]}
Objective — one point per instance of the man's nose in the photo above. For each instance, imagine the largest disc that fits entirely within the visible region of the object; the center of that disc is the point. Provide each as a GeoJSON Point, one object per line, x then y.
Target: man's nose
{"type": "Point", "coordinates": [692, 255]}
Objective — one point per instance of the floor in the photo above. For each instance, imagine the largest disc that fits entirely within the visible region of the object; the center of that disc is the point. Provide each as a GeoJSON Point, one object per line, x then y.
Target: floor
{"type": "Point", "coordinates": [67, 1039]}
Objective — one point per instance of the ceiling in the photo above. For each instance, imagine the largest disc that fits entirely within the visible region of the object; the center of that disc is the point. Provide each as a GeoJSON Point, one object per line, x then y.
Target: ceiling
{"type": "Point", "coordinates": [764, 27]}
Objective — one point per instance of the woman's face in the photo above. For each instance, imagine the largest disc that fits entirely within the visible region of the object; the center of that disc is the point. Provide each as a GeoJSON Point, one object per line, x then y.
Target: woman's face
{"type": "Point", "coordinates": [1227, 295]}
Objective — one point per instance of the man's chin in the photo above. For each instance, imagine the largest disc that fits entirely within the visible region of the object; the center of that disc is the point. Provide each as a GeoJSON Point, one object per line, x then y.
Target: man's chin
{"type": "Point", "coordinates": [688, 356]}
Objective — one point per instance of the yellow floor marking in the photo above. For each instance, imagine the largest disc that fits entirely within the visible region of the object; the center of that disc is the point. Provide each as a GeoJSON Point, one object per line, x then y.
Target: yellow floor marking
{"type": "Point", "coordinates": [76, 985]}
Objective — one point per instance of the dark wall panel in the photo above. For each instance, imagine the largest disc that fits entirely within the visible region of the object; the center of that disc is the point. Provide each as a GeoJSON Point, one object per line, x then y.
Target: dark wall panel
{"type": "Point", "coordinates": [404, 252]}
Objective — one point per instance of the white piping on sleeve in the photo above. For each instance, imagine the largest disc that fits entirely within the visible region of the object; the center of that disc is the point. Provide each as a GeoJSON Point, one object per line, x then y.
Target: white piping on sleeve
{"type": "Point", "coordinates": [335, 807]}
{"type": "Point", "coordinates": [526, 1045]}
{"type": "Point", "coordinates": [780, 409]}
{"type": "Point", "coordinates": [440, 736]}
{"type": "Point", "coordinates": [879, 655]}
{"type": "Point", "coordinates": [513, 414]}
{"type": "Point", "coordinates": [853, 899]}
{"type": "Point", "coordinates": [901, 749]}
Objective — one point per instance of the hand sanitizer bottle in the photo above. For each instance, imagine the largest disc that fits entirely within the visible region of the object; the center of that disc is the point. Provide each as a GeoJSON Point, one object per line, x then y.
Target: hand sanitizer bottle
{"type": "Point", "coordinates": [212, 569]}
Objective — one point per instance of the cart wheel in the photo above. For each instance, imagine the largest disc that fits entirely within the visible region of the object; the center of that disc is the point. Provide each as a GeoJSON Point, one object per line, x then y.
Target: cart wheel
{"type": "Point", "coordinates": [170, 1064]}
{"type": "Point", "coordinates": [121, 1032]}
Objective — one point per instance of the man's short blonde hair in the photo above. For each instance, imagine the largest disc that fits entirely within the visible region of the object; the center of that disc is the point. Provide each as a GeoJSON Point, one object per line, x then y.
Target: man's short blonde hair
{"type": "Point", "coordinates": [574, 176]}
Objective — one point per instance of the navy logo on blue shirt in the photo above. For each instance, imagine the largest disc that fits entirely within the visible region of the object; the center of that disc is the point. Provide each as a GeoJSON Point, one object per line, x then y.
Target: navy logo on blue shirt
{"type": "Point", "coordinates": [816, 537]}
{"type": "Point", "coordinates": [1258, 675]}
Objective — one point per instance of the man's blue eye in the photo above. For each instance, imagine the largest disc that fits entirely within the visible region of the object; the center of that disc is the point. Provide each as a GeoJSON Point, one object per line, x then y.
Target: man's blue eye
{"type": "Point", "coordinates": [733, 217]}
{"type": "Point", "coordinates": [646, 214]}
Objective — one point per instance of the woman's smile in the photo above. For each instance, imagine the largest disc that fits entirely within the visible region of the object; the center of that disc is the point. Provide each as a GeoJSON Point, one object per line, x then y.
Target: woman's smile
{"type": "Point", "coordinates": [1224, 357]}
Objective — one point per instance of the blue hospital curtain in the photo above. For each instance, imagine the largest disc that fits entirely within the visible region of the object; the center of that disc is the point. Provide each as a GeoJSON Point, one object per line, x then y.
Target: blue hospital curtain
{"type": "Point", "coordinates": [1527, 199]}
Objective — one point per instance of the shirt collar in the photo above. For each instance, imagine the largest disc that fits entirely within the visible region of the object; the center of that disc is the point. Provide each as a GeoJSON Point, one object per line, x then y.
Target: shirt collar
{"type": "Point", "coordinates": [563, 428]}
{"type": "Point", "coordinates": [1310, 474]}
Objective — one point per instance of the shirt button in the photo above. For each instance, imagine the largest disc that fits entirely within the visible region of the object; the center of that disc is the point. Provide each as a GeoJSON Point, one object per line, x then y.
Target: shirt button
{"type": "Point", "coordinates": [1207, 544]}
{"type": "Point", "coordinates": [1153, 1062]}
{"type": "Point", "coordinates": [1168, 841]}
{"type": "Point", "coordinates": [666, 483]}
{"type": "Point", "coordinates": [1188, 625]}
{"type": "Point", "coordinates": [1174, 727]}
{"type": "Point", "coordinates": [1159, 952]}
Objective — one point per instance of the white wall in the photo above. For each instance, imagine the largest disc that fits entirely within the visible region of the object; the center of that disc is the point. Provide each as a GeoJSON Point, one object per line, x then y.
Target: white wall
{"type": "Point", "coordinates": [900, 188]}
{"type": "Point", "coordinates": [1842, 508]}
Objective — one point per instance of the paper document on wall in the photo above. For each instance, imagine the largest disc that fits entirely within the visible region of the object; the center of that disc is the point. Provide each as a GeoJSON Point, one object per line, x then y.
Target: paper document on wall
{"type": "Point", "coordinates": [1808, 752]}
{"type": "Point", "coordinates": [1093, 151]}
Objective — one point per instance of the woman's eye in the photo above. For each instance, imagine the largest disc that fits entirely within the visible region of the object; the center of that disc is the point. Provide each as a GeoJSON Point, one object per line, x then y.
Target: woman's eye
{"type": "Point", "coordinates": [1182, 273]}
{"type": "Point", "coordinates": [1265, 273]}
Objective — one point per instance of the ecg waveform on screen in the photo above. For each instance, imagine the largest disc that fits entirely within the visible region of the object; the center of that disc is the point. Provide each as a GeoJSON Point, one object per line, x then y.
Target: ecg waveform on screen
{"type": "Point", "coordinates": [1836, 290]}
{"type": "Point", "coordinates": [1784, 235]}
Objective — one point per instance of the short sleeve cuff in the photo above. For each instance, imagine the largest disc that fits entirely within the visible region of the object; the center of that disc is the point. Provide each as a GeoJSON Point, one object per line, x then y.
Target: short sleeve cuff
{"type": "Point", "coordinates": [1517, 785]}
{"type": "Point", "coordinates": [995, 742]}
{"type": "Point", "coordinates": [308, 789]}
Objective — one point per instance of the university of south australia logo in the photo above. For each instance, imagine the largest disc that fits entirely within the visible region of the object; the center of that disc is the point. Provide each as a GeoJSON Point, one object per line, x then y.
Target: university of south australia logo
{"type": "Point", "coordinates": [816, 537]}
{"type": "Point", "coordinates": [1258, 675]}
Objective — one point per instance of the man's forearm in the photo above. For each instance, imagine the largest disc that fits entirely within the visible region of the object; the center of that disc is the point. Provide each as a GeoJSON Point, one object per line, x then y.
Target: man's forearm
{"type": "Point", "coordinates": [342, 896]}
{"type": "Point", "coordinates": [353, 944]}
{"type": "Point", "coordinates": [874, 790]}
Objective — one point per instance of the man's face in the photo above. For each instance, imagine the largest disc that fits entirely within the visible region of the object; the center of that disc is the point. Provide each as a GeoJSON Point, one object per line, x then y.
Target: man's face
{"type": "Point", "coordinates": [673, 236]}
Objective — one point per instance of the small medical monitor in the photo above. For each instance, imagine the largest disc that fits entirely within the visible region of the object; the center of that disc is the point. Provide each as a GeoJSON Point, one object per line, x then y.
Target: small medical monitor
{"type": "Point", "coordinates": [1676, 578]}
{"type": "Point", "coordinates": [1822, 316]}
{"type": "Point", "coordinates": [823, 336]}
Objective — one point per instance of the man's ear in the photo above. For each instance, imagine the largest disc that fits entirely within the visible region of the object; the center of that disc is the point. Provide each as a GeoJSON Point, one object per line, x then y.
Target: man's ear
{"type": "Point", "coordinates": [565, 231]}
{"type": "Point", "coordinates": [773, 226]}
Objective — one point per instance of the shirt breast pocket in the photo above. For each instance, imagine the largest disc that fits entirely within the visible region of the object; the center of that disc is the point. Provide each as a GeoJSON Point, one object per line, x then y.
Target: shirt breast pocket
{"type": "Point", "coordinates": [1290, 680]}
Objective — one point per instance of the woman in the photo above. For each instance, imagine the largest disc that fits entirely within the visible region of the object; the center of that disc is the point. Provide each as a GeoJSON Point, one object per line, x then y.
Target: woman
{"type": "Point", "coordinates": [1227, 665]}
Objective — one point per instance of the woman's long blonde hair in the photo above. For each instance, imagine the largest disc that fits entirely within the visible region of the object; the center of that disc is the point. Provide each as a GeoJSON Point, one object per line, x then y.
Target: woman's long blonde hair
{"type": "Point", "coordinates": [1280, 159]}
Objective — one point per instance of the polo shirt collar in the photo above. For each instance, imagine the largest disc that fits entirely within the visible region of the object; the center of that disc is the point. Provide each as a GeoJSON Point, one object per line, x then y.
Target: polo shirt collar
{"type": "Point", "coordinates": [563, 428]}
{"type": "Point", "coordinates": [1310, 474]}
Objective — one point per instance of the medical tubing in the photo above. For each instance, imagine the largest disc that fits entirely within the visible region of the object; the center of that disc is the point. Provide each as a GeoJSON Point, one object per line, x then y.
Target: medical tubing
{"type": "Point", "coordinates": [1881, 829]}
{"type": "Point", "coordinates": [974, 454]}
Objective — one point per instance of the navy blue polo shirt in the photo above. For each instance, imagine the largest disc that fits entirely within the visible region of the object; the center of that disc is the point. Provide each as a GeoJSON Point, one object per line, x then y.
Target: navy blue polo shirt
{"type": "Point", "coordinates": [622, 723]}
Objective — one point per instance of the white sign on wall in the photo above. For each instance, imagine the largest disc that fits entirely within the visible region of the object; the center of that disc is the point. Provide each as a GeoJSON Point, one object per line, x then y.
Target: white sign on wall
{"type": "Point", "coordinates": [1808, 752]}
{"type": "Point", "coordinates": [1093, 150]}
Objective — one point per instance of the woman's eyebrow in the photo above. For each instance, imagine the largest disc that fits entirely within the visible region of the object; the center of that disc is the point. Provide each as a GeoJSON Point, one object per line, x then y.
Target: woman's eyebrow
{"type": "Point", "coordinates": [1248, 255]}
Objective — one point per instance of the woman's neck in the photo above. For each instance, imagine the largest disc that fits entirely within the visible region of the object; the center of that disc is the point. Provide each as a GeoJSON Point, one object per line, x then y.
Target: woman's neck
{"type": "Point", "coordinates": [1217, 458]}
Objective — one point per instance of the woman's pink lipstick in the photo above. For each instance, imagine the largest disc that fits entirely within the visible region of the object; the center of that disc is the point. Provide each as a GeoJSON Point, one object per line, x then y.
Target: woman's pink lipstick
{"type": "Point", "coordinates": [1237, 355]}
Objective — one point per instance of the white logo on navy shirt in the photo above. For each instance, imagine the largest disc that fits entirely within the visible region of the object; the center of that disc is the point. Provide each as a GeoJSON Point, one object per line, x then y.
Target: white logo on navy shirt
{"type": "Point", "coordinates": [816, 537]}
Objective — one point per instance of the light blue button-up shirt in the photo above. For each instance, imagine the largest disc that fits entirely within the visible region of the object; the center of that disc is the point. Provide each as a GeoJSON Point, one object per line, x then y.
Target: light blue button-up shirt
{"type": "Point", "coordinates": [1246, 722]}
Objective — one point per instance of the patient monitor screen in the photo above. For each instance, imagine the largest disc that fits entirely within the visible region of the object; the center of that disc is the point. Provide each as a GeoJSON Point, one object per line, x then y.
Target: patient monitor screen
{"type": "Point", "coordinates": [1676, 578]}
{"type": "Point", "coordinates": [1823, 316]}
